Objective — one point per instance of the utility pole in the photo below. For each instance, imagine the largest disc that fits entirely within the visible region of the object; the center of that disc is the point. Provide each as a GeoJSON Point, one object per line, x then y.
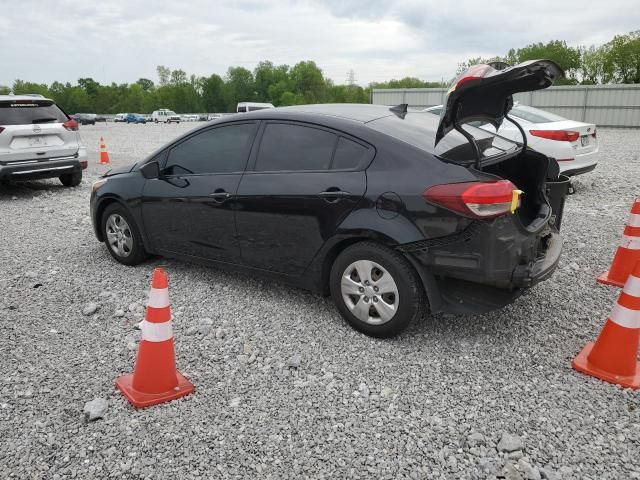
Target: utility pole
{"type": "Point", "coordinates": [351, 78]}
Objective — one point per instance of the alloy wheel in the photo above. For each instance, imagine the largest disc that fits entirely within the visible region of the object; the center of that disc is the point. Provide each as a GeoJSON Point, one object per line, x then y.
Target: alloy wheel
{"type": "Point", "coordinates": [119, 236]}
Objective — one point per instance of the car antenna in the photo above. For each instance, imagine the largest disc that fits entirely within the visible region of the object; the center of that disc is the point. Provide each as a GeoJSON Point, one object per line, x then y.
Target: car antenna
{"type": "Point", "coordinates": [469, 137]}
{"type": "Point", "coordinates": [400, 110]}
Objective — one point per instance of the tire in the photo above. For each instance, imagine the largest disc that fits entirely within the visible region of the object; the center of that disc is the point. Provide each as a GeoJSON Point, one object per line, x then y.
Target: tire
{"type": "Point", "coordinates": [71, 179]}
{"type": "Point", "coordinates": [401, 300]}
{"type": "Point", "coordinates": [127, 248]}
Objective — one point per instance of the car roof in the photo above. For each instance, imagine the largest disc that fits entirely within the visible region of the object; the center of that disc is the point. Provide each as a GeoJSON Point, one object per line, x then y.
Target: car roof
{"type": "Point", "coordinates": [23, 97]}
{"type": "Point", "coordinates": [357, 112]}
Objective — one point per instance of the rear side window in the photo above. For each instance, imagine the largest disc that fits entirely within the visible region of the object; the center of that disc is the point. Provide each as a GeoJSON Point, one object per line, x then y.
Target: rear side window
{"type": "Point", "coordinates": [295, 147]}
{"type": "Point", "coordinates": [218, 150]}
{"type": "Point", "coordinates": [348, 154]}
{"type": "Point", "coordinates": [25, 112]}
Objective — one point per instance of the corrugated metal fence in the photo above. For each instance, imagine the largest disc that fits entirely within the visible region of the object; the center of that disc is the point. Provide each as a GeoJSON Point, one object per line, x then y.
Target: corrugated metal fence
{"type": "Point", "coordinates": [604, 105]}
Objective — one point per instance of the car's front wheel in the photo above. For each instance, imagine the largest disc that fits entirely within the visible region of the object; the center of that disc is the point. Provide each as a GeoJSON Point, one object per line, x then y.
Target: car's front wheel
{"type": "Point", "coordinates": [71, 179]}
{"type": "Point", "coordinates": [121, 235]}
{"type": "Point", "coordinates": [376, 289]}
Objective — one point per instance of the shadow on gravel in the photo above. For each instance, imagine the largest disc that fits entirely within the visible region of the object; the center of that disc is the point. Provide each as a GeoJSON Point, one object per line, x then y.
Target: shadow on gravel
{"type": "Point", "coordinates": [27, 188]}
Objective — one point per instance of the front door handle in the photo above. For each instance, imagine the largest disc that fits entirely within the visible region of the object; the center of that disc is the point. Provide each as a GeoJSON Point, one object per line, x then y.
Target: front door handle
{"type": "Point", "coordinates": [219, 195]}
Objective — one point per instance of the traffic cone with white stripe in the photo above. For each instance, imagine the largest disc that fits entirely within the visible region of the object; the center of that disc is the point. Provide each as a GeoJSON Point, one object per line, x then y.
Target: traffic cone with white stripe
{"type": "Point", "coordinates": [104, 155]}
{"type": "Point", "coordinates": [628, 252]}
{"type": "Point", "coordinates": [613, 358]}
{"type": "Point", "coordinates": [155, 378]}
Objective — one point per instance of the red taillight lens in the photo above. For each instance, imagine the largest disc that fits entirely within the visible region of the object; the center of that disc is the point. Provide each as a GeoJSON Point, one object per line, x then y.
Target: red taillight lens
{"type": "Point", "coordinates": [559, 135]}
{"type": "Point", "coordinates": [475, 72]}
{"type": "Point", "coordinates": [71, 125]}
{"type": "Point", "coordinates": [473, 199]}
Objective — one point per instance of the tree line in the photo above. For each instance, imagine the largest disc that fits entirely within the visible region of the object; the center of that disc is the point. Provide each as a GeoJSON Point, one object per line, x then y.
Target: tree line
{"type": "Point", "coordinates": [617, 61]}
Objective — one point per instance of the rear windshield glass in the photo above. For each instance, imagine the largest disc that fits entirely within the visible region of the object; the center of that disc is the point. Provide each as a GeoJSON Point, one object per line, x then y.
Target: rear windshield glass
{"type": "Point", "coordinates": [25, 112]}
{"type": "Point", "coordinates": [534, 115]}
{"type": "Point", "coordinates": [419, 129]}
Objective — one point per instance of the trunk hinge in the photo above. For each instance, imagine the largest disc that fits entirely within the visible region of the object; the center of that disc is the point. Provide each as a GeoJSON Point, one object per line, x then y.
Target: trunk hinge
{"type": "Point", "coordinates": [524, 136]}
{"type": "Point", "coordinates": [469, 138]}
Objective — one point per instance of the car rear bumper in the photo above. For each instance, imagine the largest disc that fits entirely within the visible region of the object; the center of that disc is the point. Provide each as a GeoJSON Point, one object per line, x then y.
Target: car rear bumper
{"type": "Point", "coordinates": [485, 267]}
{"type": "Point", "coordinates": [39, 169]}
{"type": "Point", "coordinates": [583, 163]}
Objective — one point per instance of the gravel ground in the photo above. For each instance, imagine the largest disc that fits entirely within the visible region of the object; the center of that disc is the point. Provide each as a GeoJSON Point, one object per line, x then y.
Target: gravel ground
{"type": "Point", "coordinates": [285, 389]}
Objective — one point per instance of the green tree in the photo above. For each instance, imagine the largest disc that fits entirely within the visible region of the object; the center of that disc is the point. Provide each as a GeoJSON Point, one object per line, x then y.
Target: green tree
{"type": "Point", "coordinates": [592, 65]}
{"type": "Point", "coordinates": [266, 74]}
{"type": "Point", "coordinates": [213, 94]}
{"type": "Point", "coordinates": [164, 74]}
{"type": "Point", "coordinates": [4, 90]}
{"type": "Point", "coordinates": [20, 86]}
{"type": "Point", "coordinates": [146, 84]}
{"type": "Point", "coordinates": [568, 58]}
{"type": "Point", "coordinates": [306, 79]}
{"type": "Point", "coordinates": [239, 87]}
{"type": "Point", "coordinates": [622, 58]}
{"type": "Point", "coordinates": [178, 77]}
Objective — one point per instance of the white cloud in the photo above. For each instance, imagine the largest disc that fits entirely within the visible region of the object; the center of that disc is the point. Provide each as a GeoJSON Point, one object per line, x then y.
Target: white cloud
{"type": "Point", "coordinates": [121, 40]}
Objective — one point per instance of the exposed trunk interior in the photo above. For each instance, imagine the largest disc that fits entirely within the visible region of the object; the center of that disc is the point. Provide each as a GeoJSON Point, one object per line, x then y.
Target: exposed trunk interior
{"type": "Point", "coordinates": [537, 176]}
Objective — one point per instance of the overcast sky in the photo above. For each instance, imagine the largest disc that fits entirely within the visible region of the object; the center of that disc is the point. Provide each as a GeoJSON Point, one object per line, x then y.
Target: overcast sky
{"type": "Point", "coordinates": [123, 40]}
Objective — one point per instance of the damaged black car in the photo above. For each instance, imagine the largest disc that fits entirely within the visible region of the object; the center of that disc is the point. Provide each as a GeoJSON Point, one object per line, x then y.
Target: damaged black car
{"type": "Point", "coordinates": [389, 211]}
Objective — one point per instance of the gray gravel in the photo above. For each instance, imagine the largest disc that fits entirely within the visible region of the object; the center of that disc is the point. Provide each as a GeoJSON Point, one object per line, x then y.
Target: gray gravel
{"type": "Point", "coordinates": [311, 397]}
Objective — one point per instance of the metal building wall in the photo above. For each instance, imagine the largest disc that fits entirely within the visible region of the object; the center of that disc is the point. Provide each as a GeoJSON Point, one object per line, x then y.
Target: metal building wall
{"type": "Point", "coordinates": [604, 105]}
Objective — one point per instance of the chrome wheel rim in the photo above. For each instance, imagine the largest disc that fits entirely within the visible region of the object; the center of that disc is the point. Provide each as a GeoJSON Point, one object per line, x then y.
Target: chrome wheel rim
{"type": "Point", "coordinates": [119, 236]}
{"type": "Point", "coordinates": [369, 292]}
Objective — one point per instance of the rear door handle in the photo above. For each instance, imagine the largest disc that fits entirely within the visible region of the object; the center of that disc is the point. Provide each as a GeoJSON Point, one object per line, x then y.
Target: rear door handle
{"type": "Point", "coordinates": [329, 194]}
{"type": "Point", "coordinates": [219, 195]}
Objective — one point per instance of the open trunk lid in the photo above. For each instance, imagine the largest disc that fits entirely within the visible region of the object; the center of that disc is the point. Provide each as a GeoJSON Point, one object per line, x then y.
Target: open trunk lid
{"type": "Point", "coordinates": [486, 94]}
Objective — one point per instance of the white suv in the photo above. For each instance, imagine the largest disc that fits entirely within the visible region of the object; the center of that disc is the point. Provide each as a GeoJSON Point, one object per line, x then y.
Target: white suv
{"type": "Point", "coordinates": [39, 140]}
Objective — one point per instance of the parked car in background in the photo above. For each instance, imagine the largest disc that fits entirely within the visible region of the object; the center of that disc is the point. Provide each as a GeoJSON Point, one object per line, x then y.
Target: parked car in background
{"type": "Point", "coordinates": [243, 107]}
{"type": "Point", "coordinates": [165, 116]}
{"type": "Point", "coordinates": [101, 118]}
{"type": "Point", "coordinates": [135, 118]}
{"type": "Point", "coordinates": [39, 140]}
{"type": "Point", "coordinates": [190, 118]}
{"type": "Point", "coordinates": [388, 211]}
{"type": "Point", "coordinates": [573, 144]}
{"type": "Point", "coordinates": [120, 117]}
{"type": "Point", "coordinates": [85, 118]}
{"type": "Point", "coordinates": [213, 116]}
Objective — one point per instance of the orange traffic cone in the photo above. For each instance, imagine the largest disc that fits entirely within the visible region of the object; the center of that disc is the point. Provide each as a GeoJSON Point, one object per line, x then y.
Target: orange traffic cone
{"type": "Point", "coordinates": [104, 155]}
{"type": "Point", "coordinates": [628, 252]}
{"type": "Point", "coordinates": [613, 358]}
{"type": "Point", "coordinates": [155, 378]}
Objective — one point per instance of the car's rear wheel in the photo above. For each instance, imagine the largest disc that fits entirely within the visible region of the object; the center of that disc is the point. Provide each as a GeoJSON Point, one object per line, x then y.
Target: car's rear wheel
{"type": "Point", "coordinates": [121, 235]}
{"type": "Point", "coordinates": [71, 179]}
{"type": "Point", "coordinates": [376, 289]}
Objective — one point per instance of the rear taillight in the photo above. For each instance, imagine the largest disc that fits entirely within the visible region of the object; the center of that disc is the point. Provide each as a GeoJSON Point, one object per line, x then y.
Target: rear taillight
{"type": "Point", "coordinates": [1, 129]}
{"type": "Point", "coordinates": [559, 135]}
{"type": "Point", "coordinates": [475, 199]}
{"type": "Point", "coordinates": [71, 125]}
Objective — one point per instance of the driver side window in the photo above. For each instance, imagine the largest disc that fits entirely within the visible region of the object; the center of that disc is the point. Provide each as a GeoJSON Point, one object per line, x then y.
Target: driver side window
{"type": "Point", "coordinates": [218, 150]}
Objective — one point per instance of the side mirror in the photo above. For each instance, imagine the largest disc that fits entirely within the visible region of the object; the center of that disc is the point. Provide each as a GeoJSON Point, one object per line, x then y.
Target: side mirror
{"type": "Point", "coordinates": [150, 170]}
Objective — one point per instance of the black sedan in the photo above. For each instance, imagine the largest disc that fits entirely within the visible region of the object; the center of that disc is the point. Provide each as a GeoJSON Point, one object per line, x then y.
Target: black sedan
{"type": "Point", "coordinates": [388, 211]}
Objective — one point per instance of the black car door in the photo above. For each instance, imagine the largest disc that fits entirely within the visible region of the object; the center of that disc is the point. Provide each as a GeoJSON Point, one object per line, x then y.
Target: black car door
{"type": "Point", "coordinates": [302, 182]}
{"type": "Point", "coordinates": [189, 209]}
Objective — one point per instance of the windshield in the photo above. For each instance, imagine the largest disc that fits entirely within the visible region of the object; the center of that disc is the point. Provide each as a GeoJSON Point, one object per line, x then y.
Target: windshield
{"type": "Point", "coordinates": [25, 112]}
{"type": "Point", "coordinates": [534, 115]}
{"type": "Point", "coordinates": [419, 129]}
